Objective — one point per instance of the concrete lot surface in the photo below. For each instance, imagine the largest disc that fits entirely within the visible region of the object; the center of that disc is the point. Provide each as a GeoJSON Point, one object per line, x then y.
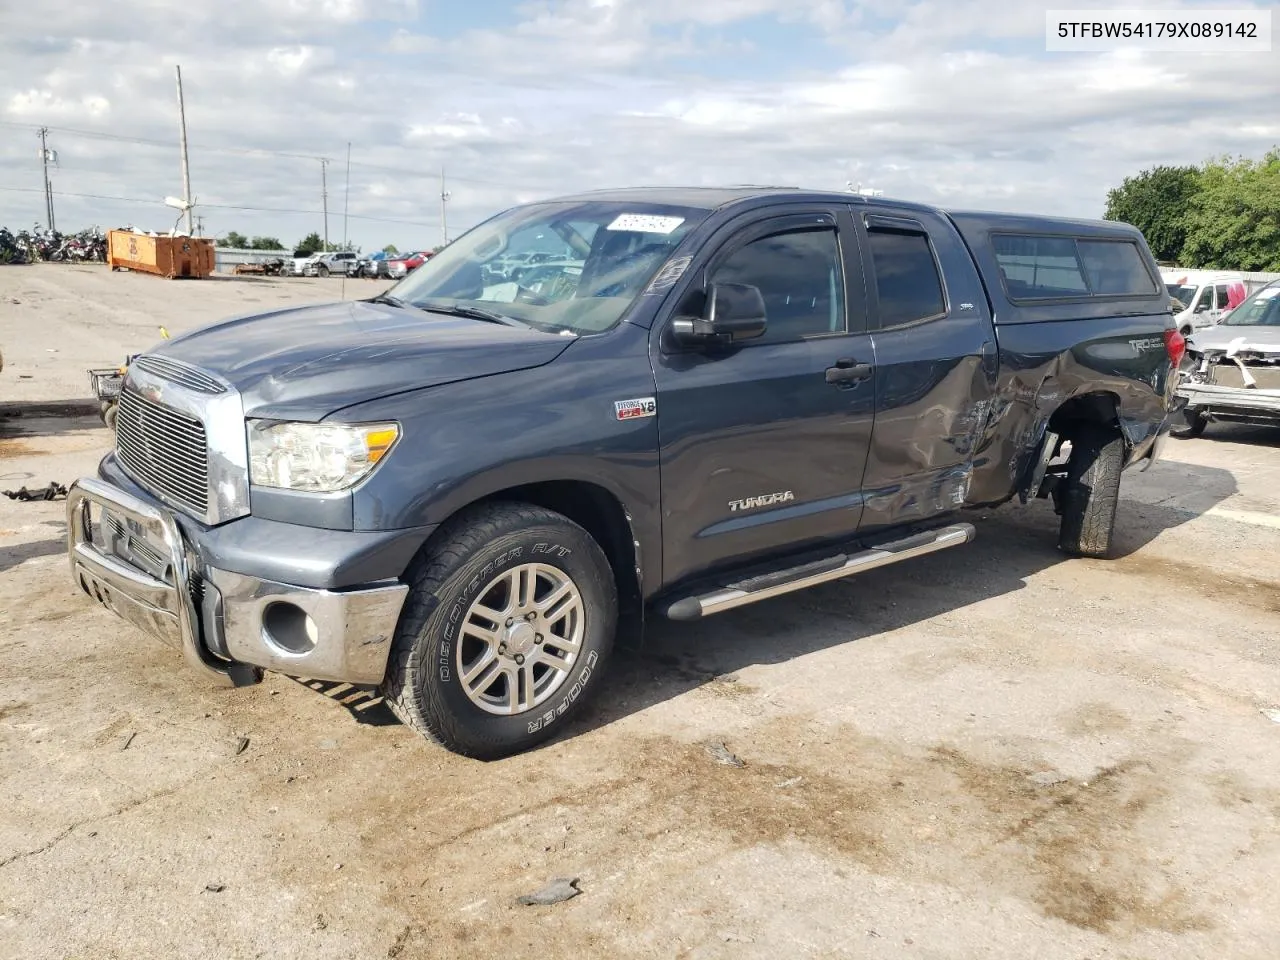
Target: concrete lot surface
{"type": "Point", "coordinates": [992, 752]}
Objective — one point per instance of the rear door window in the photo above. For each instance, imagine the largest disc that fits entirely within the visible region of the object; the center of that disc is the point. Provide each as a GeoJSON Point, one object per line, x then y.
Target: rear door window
{"type": "Point", "coordinates": [908, 284]}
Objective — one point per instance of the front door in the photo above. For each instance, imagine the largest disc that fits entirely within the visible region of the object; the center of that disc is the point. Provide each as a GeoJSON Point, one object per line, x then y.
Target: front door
{"type": "Point", "coordinates": [762, 448]}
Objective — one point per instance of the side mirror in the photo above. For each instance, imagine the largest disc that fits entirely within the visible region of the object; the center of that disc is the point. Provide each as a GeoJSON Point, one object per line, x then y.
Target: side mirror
{"type": "Point", "coordinates": [733, 311]}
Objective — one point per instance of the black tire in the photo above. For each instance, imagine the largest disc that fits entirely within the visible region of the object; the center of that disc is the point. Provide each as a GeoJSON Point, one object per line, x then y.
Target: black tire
{"type": "Point", "coordinates": [1090, 491]}
{"type": "Point", "coordinates": [1193, 425]}
{"type": "Point", "coordinates": [109, 417]}
{"type": "Point", "coordinates": [423, 687]}
{"type": "Point", "coordinates": [322, 271]}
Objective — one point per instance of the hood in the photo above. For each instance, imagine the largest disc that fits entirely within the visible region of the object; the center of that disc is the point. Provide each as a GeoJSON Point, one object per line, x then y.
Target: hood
{"type": "Point", "coordinates": [306, 362]}
{"type": "Point", "coordinates": [1253, 338]}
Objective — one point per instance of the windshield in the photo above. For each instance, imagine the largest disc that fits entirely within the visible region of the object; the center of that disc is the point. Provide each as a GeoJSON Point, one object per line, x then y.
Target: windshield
{"type": "Point", "coordinates": [573, 267]}
{"type": "Point", "coordinates": [1181, 293]}
{"type": "Point", "coordinates": [1260, 310]}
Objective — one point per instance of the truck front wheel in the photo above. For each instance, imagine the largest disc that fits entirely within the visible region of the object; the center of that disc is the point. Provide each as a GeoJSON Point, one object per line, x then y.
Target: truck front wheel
{"type": "Point", "coordinates": [1090, 491]}
{"type": "Point", "coordinates": [508, 623]}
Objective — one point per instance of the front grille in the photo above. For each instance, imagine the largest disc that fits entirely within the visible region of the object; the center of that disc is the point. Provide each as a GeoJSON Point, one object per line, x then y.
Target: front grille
{"type": "Point", "coordinates": [163, 450]}
{"type": "Point", "coordinates": [180, 372]}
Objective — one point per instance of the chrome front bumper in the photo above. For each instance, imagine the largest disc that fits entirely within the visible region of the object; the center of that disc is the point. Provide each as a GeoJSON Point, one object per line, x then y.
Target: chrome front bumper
{"type": "Point", "coordinates": [237, 620]}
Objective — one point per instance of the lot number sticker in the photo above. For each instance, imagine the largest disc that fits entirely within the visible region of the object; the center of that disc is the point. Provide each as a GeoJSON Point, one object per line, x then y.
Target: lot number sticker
{"type": "Point", "coordinates": [641, 223]}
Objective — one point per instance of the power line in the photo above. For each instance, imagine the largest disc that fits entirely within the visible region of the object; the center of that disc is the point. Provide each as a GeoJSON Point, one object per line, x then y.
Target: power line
{"type": "Point", "coordinates": [218, 206]}
{"type": "Point", "coordinates": [260, 152]}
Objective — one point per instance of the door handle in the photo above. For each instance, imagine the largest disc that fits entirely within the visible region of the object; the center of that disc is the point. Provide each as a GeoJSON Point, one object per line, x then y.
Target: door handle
{"type": "Point", "coordinates": [848, 370]}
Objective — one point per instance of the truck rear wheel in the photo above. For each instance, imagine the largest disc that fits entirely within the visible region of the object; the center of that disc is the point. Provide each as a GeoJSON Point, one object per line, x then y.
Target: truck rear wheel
{"type": "Point", "coordinates": [1090, 491]}
{"type": "Point", "coordinates": [508, 624]}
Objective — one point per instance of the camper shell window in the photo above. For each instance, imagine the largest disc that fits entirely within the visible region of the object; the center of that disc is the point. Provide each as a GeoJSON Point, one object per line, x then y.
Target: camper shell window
{"type": "Point", "coordinates": [1044, 267]}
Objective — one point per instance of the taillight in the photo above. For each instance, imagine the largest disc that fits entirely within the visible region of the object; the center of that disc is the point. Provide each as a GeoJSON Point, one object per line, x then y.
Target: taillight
{"type": "Point", "coordinates": [1175, 344]}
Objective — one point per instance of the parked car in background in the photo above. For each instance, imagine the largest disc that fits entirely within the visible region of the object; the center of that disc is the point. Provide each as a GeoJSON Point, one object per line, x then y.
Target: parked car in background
{"type": "Point", "coordinates": [1232, 370]}
{"type": "Point", "coordinates": [296, 264]}
{"type": "Point", "coordinates": [374, 265]}
{"type": "Point", "coordinates": [1206, 295]}
{"type": "Point", "coordinates": [406, 263]}
{"type": "Point", "coordinates": [337, 264]}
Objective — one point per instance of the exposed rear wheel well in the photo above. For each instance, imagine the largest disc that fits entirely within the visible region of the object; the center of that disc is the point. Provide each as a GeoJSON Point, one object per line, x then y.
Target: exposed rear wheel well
{"type": "Point", "coordinates": [1090, 409]}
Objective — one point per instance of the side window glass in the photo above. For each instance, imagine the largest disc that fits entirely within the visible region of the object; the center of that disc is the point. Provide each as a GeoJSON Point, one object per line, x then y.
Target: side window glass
{"type": "Point", "coordinates": [1205, 303]}
{"type": "Point", "coordinates": [1224, 297]}
{"type": "Point", "coordinates": [800, 278]}
{"type": "Point", "coordinates": [907, 282]}
{"type": "Point", "coordinates": [1039, 268]}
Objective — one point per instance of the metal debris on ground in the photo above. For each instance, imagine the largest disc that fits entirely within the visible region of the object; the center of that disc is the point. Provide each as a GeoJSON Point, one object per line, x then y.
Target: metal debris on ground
{"type": "Point", "coordinates": [721, 754]}
{"type": "Point", "coordinates": [215, 887]}
{"type": "Point", "coordinates": [1272, 714]}
{"type": "Point", "coordinates": [557, 891]}
{"type": "Point", "coordinates": [128, 740]}
{"type": "Point", "coordinates": [242, 745]}
{"type": "Point", "coordinates": [54, 491]}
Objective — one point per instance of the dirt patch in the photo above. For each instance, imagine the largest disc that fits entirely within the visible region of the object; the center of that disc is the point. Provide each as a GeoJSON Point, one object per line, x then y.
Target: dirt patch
{"type": "Point", "coordinates": [1252, 591]}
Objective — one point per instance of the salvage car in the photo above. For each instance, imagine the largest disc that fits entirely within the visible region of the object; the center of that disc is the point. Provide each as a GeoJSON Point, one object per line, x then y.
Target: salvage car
{"type": "Point", "coordinates": [1232, 370]}
{"type": "Point", "coordinates": [461, 494]}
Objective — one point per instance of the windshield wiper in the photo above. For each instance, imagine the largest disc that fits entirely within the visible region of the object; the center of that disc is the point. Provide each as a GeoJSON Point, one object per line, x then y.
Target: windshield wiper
{"type": "Point", "coordinates": [389, 300]}
{"type": "Point", "coordinates": [473, 313]}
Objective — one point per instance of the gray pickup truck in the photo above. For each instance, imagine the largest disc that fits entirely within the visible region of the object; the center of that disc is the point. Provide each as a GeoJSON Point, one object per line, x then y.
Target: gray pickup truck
{"type": "Point", "coordinates": [461, 490]}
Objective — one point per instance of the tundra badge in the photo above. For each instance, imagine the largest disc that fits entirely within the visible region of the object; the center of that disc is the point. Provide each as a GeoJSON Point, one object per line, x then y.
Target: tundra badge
{"type": "Point", "coordinates": [765, 500]}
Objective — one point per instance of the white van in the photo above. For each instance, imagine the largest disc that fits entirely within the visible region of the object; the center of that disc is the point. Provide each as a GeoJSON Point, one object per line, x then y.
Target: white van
{"type": "Point", "coordinates": [1204, 294]}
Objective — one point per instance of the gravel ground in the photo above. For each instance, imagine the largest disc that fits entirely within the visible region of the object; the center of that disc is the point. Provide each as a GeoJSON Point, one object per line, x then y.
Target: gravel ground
{"type": "Point", "coordinates": [992, 752]}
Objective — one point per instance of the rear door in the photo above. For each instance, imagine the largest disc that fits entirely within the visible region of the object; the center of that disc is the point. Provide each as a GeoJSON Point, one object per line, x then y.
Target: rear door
{"type": "Point", "coordinates": [936, 362]}
{"type": "Point", "coordinates": [763, 443]}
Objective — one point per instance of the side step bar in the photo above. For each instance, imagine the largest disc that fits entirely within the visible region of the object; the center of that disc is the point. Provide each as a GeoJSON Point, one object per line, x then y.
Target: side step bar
{"type": "Point", "coordinates": [810, 574]}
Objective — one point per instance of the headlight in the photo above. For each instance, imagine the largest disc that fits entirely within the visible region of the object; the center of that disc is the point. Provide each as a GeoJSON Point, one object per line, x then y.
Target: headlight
{"type": "Point", "coordinates": [322, 457]}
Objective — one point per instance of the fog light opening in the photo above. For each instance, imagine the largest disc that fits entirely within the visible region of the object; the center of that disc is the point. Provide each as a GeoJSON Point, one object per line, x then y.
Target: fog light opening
{"type": "Point", "coordinates": [288, 627]}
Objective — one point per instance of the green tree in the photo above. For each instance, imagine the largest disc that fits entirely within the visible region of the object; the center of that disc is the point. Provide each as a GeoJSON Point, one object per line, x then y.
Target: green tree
{"type": "Point", "coordinates": [390, 250]}
{"type": "Point", "coordinates": [311, 243]}
{"type": "Point", "coordinates": [266, 243]}
{"type": "Point", "coordinates": [1157, 202]}
{"type": "Point", "coordinates": [235, 241]}
{"type": "Point", "coordinates": [1233, 223]}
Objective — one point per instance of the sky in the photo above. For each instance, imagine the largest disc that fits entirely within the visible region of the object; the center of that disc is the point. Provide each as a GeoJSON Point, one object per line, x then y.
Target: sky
{"type": "Point", "coordinates": [950, 102]}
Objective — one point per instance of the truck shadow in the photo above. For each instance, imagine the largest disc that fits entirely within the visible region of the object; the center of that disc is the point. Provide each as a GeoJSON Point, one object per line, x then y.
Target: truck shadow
{"type": "Point", "coordinates": [1256, 436]}
{"type": "Point", "coordinates": [1012, 545]}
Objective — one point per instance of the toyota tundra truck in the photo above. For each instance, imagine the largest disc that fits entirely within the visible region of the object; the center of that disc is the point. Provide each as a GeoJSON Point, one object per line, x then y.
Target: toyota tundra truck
{"type": "Point", "coordinates": [461, 490]}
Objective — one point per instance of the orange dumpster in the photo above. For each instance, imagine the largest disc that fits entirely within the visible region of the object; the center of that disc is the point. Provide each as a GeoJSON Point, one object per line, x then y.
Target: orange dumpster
{"type": "Point", "coordinates": [165, 256]}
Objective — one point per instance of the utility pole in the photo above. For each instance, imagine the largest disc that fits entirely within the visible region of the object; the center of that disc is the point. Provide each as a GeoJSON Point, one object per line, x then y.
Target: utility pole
{"type": "Point", "coordinates": [324, 198]}
{"type": "Point", "coordinates": [45, 153]}
{"type": "Point", "coordinates": [186, 169]}
{"type": "Point", "coordinates": [444, 218]}
{"type": "Point", "coordinates": [199, 226]}
{"type": "Point", "coordinates": [346, 195]}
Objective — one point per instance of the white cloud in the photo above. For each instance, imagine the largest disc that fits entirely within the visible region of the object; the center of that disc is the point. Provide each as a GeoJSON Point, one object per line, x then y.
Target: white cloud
{"type": "Point", "coordinates": [950, 102]}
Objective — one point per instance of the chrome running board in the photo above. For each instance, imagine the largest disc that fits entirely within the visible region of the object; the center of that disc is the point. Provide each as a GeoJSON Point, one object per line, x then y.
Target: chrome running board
{"type": "Point", "coordinates": [810, 574]}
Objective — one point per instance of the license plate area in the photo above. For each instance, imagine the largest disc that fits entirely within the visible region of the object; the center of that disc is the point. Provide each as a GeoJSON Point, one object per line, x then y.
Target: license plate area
{"type": "Point", "coordinates": [130, 541]}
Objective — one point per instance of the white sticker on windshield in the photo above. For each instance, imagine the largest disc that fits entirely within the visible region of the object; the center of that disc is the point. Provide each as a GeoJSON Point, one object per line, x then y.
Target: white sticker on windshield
{"type": "Point", "coordinates": [643, 223]}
